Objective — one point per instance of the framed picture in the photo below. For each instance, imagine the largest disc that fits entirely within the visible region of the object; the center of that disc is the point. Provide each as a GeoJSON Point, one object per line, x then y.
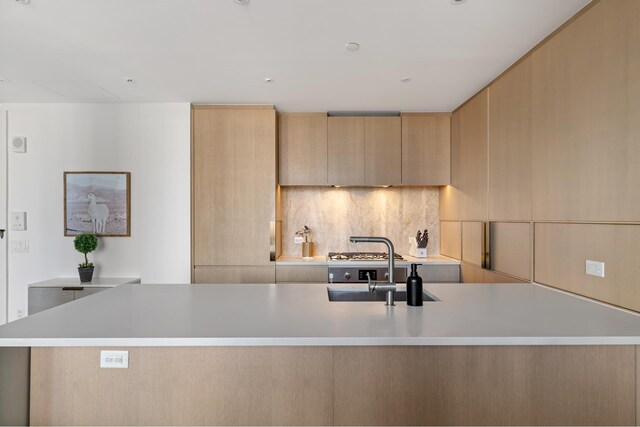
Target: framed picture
{"type": "Point", "coordinates": [97, 202]}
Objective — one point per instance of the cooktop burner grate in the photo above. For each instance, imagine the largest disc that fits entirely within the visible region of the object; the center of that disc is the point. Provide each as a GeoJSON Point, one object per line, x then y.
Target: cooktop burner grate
{"type": "Point", "coordinates": [362, 256]}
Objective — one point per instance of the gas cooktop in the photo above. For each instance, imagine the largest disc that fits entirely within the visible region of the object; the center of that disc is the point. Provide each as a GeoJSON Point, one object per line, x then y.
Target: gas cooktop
{"type": "Point", "coordinates": [362, 256]}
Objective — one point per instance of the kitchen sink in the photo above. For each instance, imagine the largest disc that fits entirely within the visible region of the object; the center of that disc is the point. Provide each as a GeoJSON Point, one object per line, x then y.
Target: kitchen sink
{"type": "Point", "coordinates": [362, 294]}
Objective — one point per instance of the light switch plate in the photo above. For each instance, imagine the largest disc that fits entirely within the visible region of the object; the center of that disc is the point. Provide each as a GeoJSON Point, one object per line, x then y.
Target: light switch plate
{"type": "Point", "coordinates": [114, 359]}
{"type": "Point", "coordinates": [594, 268]}
{"type": "Point", "coordinates": [297, 240]}
{"type": "Point", "coordinates": [19, 246]}
{"type": "Point", "coordinates": [18, 221]}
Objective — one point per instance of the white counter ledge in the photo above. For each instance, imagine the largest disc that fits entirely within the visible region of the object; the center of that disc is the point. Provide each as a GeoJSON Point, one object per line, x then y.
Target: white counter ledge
{"type": "Point", "coordinates": [300, 314]}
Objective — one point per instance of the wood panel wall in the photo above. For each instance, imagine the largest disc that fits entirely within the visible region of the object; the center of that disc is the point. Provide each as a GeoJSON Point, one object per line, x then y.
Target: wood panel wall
{"type": "Point", "coordinates": [451, 239]}
{"type": "Point", "coordinates": [583, 129]}
{"type": "Point", "coordinates": [562, 251]}
{"type": "Point", "coordinates": [563, 149]}
{"type": "Point", "coordinates": [494, 385]}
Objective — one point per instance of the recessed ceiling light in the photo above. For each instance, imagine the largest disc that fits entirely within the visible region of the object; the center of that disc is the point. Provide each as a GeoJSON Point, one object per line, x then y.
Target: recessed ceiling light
{"type": "Point", "coordinates": [352, 46]}
{"type": "Point", "coordinates": [242, 2]}
{"type": "Point", "coordinates": [458, 1]}
{"type": "Point", "coordinates": [268, 80]}
{"type": "Point", "coordinates": [129, 80]}
{"type": "Point", "coordinates": [25, 2]}
{"type": "Point", "coordinates": [405, 79]}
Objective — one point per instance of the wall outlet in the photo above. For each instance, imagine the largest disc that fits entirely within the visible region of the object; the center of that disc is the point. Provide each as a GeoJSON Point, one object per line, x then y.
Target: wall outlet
{"type": "Point", "coordinates": [18, 221]}
{"type": "Point", "coordinates": [114, 359]}
{"type": "Point", "coordinates": [298, 240]}
{"type": "Point", "coordinates": [20, 246]}
{"type": "Point", "coordinates": [20, 314]}
{"type": "Point", "coordinates": [594, 268]}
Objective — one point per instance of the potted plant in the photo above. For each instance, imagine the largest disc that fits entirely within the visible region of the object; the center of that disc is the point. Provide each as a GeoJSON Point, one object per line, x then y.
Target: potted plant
{"type": "Point", "coordinates": [85, 243]}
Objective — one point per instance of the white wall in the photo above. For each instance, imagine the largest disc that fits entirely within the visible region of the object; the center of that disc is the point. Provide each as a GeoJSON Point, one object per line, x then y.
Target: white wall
{"type": "Point", "coordinates": [149, 140]}
{"type": "Point", "coordinates": [3, 215]}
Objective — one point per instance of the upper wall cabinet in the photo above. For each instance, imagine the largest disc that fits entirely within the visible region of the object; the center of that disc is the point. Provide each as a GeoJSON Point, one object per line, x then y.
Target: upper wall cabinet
{"type": "Point", "coordinates": [365, 151]}
{"type": "Point", "coordinates": [469, 176]}
{"type": "Point", "coordinates": [449, 195]}
{"type": "Point", "coordinates": [510, 145]}
{"type": "Point", "coordinates": [426, 149]}
{"type": "Point", "coordinates": [586, 118]}
{"type": "Point", "coordinates": [382, 150]}
{"type": "Point", "coordinates": [303, 149]}
{"type": "Point", "coordinates": [346, 151]}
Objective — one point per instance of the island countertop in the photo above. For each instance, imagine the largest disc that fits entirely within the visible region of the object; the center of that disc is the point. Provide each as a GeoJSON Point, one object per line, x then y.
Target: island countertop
{"type": "Point", "coordinates": [301, 314]}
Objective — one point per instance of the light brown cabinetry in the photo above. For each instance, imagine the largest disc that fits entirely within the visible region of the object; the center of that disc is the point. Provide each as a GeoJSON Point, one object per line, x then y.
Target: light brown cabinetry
{"type": "Point", "coordinates": [471, 172]}
{"type": "Point", "coordinates": [302, 274]}
{"type": "Point", "coordinates": [466, 198]}
{"type": "Point", "coordinates": [585, 118]}
{"type": "Point", "coordinates": [426, 149]}
{"type": "Point", "coordinates": [365, 151]}
{"type": "Point", "coordinates": [382, 150]}
{"type": "Point", "coordinates": [561, 252]}
{"type": "Point", "coordinates": [385, 385]}
{"type": "Point", "coordinates": [234, 190]}
{"type": "Point", "coordinates": [346, 150]}
{"type": "Point", "coordinates": [472, 242]}
{"type": "Point", "coordinates": [303, 149]}
{"type": "Point", "coordinates": [511, 248]}
{"type": "Point", "coordinates": [510, 145]}
{"type": "Point", "coordinates": [451, 239]}
{"type": "Point", "coordinates": [450, 196]}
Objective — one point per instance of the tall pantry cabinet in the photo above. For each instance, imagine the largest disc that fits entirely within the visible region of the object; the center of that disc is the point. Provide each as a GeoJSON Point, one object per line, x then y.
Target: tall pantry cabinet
{"type": "Point", "coordinates": [233, 194]}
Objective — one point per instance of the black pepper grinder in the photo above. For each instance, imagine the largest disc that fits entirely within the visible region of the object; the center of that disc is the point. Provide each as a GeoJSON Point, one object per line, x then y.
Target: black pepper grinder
{"type": "Point", "coordinates": [414, 287]}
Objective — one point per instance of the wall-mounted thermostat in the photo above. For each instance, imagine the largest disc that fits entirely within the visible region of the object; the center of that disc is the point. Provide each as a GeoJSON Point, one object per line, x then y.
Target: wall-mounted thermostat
{"type": "Point", "coordinates": [19, 144]}
{"type": "Point", "coordinates": [18, 221]}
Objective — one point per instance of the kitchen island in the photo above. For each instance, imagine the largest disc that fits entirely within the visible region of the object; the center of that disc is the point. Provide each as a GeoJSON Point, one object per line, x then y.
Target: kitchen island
{"type": "Point", "coordinates": [284, 354]}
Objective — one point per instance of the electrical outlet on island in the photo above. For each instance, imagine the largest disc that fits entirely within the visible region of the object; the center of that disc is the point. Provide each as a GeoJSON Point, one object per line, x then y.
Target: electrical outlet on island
{"type": "Point", "coordinates": [594, 268]}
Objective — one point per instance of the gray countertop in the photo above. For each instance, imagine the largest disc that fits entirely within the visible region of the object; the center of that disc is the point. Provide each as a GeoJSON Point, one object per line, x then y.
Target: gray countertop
{"type": "Point", "coordinates": [300, 314]}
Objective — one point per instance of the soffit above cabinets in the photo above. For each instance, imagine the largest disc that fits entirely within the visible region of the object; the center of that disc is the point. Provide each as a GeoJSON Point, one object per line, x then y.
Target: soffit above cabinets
{"type": "Point", "coordinates": [431, 56]}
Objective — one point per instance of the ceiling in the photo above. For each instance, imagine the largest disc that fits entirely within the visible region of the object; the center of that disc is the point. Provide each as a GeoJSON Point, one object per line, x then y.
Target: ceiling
{"type": "Point", "coordinates": [218, 51]}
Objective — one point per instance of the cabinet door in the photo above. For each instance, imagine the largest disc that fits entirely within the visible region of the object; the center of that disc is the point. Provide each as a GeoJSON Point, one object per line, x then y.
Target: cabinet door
{"type": "Point", "coordinates": [234, 274]}
{"type": "Point", "coordinates": [585, 130]}
{"type": "Point", "coordinates": [303, 149]}
{"type": "Point", "coordinates": [451, 239]}
{"type": "Point", "coordinates": [510, 145]}
{"type": "Point", "coordinates": [302, 274]}
{"type": "Point", "coordinates": [511, 248]}
{"type": "Point", "coordinates": [426, 141]}
{"type": "Point", "coordinates": [450, 196]}
{"type": "Point", "coordinates": [45, 298]}
{"type": "Point", "coordinates": [383, 150]}
{"type": "Point", "coordinates": [234, 185]}
{"type": "Point", "coordinates": [346, 150]}
{"type": "Point", "coordinates": [471, 176]}
{"type": "Point", "coordinates": [472, 242]}
{"type": "Point", "coordinates": [439, 273]}
{"type": "Point", "coordinates": [85, 292]}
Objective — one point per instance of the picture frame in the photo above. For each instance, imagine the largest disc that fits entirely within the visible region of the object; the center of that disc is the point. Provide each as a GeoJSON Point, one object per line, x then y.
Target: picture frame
{"type": "Point", "coordinates": [98, 203]}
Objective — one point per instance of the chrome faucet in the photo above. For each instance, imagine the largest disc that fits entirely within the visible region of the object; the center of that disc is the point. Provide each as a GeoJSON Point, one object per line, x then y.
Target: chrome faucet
{"type": "Point", "coordinates": [389, 286]}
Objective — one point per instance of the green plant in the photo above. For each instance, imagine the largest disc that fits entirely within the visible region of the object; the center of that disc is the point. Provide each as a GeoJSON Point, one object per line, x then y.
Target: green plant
{"type": "Point", "coordinates": [85, 243]}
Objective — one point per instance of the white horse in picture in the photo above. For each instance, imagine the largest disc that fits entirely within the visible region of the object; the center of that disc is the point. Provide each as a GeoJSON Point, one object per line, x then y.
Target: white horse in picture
{"type": "Point", "coordinates": [98, 214]}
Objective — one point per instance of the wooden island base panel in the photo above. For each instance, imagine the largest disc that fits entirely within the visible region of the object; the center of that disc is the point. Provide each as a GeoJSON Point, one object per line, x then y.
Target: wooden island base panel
{"type": "Point", "coordinates": [383, 385]}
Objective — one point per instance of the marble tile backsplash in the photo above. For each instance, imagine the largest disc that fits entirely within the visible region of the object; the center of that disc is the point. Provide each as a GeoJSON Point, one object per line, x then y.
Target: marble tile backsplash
{"type": "Point", "coordinates": [334, 214]}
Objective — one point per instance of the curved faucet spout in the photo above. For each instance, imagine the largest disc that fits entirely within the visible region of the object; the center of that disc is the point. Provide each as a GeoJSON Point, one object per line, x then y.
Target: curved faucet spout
{"type": "Point", "coordinates": [390, 287]}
